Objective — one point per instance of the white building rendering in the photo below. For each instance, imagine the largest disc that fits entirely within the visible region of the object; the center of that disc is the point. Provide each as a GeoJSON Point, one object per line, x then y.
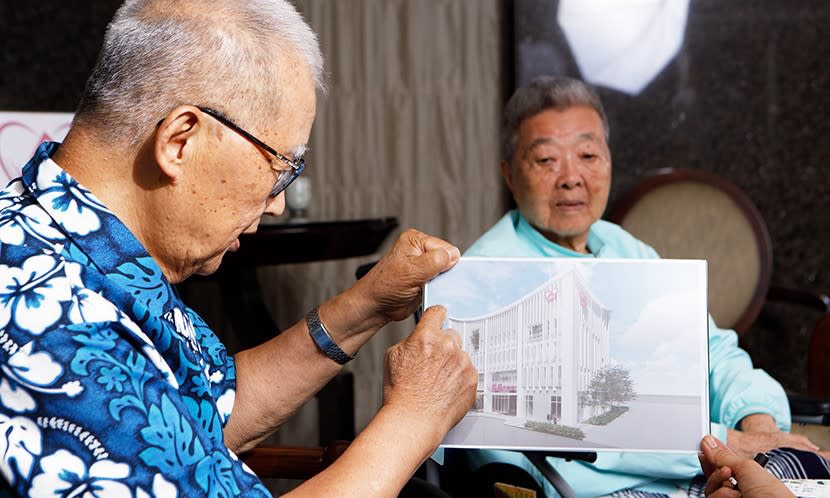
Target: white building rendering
{"type": "Point", "coordinates": [536, 356]}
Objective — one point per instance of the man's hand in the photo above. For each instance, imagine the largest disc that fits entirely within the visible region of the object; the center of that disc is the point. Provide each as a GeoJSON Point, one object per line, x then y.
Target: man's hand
{"type": "Point", "coordinates": [429, 384]}
{"type": "Point", "coordinates": [396, 282]}
{"type": "Point", "coordinates": [430, 376]}
{"type": "Point", "coordinates": [760, 433]}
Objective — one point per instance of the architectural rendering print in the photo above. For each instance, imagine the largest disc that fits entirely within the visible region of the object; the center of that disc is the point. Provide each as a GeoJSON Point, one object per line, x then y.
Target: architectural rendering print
{"type": "Point", "coordinates": [581, 354]}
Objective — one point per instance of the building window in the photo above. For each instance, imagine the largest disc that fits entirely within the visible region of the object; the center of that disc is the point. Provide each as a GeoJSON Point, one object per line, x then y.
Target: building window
{"type": "Point", "coordinates": [479, 404]}
{"type": "Point", "coordinates": [536, 332]}
{"type": "Point", "coordinates": [504, 404]}
{"type": "Point", "coordinates": [555, 408]}
{"type": "Point", "coordinates": [474, 341]}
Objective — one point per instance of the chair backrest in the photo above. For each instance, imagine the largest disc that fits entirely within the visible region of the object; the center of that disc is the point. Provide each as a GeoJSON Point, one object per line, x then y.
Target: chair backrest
{"type": "Point", "coordinates": [693, 214]}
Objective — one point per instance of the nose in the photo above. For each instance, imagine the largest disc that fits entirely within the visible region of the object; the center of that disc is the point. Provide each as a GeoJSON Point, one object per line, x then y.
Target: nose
{"type": "Point", "coordinates": [568, 175]}
{"type": "Point", "coordinates": [275, 206]}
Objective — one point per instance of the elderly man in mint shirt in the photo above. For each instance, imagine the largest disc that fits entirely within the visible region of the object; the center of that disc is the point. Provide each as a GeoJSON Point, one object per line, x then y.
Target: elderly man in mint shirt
{"type": "Point", "coordinates": [557, 164]}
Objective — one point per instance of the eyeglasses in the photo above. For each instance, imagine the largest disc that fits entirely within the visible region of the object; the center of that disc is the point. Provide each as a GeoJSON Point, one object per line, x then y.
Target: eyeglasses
{"type": "Point", "coordinates": [286, 176]}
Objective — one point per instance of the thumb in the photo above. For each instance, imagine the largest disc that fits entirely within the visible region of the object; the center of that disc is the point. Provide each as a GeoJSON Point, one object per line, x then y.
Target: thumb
{"type": "Point", "coordinates": [432, 318]}
{"type": "Point", "coordinates": [437, 256]}
{"type": "Point", "coordinates": [718, 454]}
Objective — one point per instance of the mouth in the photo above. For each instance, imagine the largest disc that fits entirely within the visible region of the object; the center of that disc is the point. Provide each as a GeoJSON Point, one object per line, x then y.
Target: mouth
{"type": "Point", "coordinates": [570, 205]}
{"type": "Point", "coordinates": [234, 246]}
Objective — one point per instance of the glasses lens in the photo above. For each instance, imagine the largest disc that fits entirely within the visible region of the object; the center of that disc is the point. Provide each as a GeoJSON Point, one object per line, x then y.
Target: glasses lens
{"type": "Point", "coordinates": [287, 176]}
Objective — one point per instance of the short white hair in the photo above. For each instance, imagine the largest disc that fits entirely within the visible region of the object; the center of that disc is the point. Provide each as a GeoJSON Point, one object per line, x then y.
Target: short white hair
{"type": "Point", "coordinates": [159, 54]}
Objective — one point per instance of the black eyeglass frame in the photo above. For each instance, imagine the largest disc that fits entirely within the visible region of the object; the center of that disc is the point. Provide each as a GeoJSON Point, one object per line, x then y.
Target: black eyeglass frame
{"type": "Point", "coordinates": [286, 176]}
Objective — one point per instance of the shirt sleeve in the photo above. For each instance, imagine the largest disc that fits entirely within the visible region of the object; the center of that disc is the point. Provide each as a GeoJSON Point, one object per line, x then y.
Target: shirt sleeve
{"type": "Point", "coordinates": [93, 406]}
{"type": "Point", "coordinates": [736, 388]}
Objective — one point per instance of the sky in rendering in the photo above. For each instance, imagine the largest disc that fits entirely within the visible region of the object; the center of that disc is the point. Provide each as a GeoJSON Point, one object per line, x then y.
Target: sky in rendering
{"type": "Point", "coordinates": [658, 309]}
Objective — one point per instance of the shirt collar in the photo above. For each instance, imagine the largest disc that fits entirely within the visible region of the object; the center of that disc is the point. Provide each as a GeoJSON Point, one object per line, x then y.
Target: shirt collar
{"type": "Point", "coordinates": [86, 221]}
{"type": "Point", "coordinates": [552, 249]}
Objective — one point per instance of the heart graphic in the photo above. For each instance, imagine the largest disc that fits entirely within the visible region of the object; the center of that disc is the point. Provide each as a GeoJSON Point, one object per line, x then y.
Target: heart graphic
{"type": "Point", "coordinates": [18, 143]}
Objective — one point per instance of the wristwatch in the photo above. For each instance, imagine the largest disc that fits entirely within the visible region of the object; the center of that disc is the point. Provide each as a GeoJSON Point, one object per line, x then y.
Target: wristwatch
{"type": "Point", "coordinates": [323, 340]}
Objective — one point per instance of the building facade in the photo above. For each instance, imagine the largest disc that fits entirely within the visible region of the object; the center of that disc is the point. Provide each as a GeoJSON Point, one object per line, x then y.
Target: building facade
{"type": "Point", "coordinates": [536, 357]}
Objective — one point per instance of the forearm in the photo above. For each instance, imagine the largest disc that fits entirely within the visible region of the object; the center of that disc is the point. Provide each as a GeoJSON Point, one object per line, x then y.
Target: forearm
{"type": "Point", "coordinates": [277, 377]}
{"type": "Point", "coordinates": [380, 460]}
{"type": "Point", "coordinates": [760, 432]}
{"type": "Point", "coordinates": [758, 422]}
{"type": "Point", "coordinates": [429, 384]}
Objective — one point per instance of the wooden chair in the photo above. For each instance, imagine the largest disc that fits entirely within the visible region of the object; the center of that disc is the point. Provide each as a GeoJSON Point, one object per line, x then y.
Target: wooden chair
{"type": "Point", "coordinates": [336, 401]}
{"type": "Point", "coordinates": [292, 462]}
{"type": "Point", "coordinates": [690, 213]}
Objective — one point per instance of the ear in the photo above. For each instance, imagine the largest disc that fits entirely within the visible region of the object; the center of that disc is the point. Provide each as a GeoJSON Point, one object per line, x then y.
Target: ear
{"type": "Point", "coordinates": [176, 139]}
{"type": "Point", "coordinates": [507, 174]}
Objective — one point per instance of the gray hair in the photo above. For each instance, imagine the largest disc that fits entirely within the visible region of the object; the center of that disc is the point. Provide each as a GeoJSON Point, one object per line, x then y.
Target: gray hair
{"type": "Point", "coordinates": [159, 54]}
{"type": "Point", "coordinates": [543, 93]}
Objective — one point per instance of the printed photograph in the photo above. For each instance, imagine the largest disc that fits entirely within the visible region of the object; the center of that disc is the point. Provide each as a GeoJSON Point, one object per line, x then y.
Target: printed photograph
{"type": "Point", "coordinates": [581, 354]}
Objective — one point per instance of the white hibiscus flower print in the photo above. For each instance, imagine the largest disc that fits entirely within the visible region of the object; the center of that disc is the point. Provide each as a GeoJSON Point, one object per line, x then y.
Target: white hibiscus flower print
{"type": "Point", "coordinates": [11, 192]}
{"type": "Point", "coordinates": [184, 327]}
{"type": "Point", "coordinates": [64, 474]}
{"type": "Point", "coordinates": [31, 295]}
{"type": "Point", "coordinates": [31, 220]}
{"type": "Point", "coordinates": [75, 207]}
{"type": "Point", "coordinates": [90, 307]}
{"type": "Point", "coordinates": [162, 488]}
{"type": "Point", "coordinates": [27, 371]}
{"type": "Point", "coordinates": [224, 404]}
{"type": "Point", "coordinates": [20, 443]}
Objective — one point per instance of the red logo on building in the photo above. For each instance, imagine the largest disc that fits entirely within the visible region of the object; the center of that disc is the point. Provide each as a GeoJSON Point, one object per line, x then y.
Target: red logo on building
{"type": "Point", "coordinates": [551, 294]}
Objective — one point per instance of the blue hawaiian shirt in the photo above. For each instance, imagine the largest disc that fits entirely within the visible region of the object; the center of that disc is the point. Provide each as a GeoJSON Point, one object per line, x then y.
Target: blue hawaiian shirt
{"type": "Point", "coordinates": [109, 384]}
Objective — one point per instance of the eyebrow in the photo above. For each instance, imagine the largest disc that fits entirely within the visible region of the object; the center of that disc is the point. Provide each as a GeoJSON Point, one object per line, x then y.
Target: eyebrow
{"type": "Point", "coordinates": [299, 151]}
{"type": "Point", "coordinates": [590, 136]}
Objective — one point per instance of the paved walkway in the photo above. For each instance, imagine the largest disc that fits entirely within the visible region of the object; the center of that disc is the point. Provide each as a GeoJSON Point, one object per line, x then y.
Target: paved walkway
{"type": "Point", "coordinates": [650, 425]}
{"type": "Point", "coordinates": [647, 425]}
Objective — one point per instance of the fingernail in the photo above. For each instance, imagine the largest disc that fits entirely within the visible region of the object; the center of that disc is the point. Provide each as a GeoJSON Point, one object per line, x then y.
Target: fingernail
{"type": "Point", "coordinates": [710, 442]}
{"type": "Point", "coordinates": [453, 253]}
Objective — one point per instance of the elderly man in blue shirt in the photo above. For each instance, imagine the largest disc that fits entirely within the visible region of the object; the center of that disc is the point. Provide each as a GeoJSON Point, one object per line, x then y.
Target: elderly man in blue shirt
{"type": "Point", "coordinates": [191, 126]}
{"type": "Point", "coordinates": [557, 164]}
